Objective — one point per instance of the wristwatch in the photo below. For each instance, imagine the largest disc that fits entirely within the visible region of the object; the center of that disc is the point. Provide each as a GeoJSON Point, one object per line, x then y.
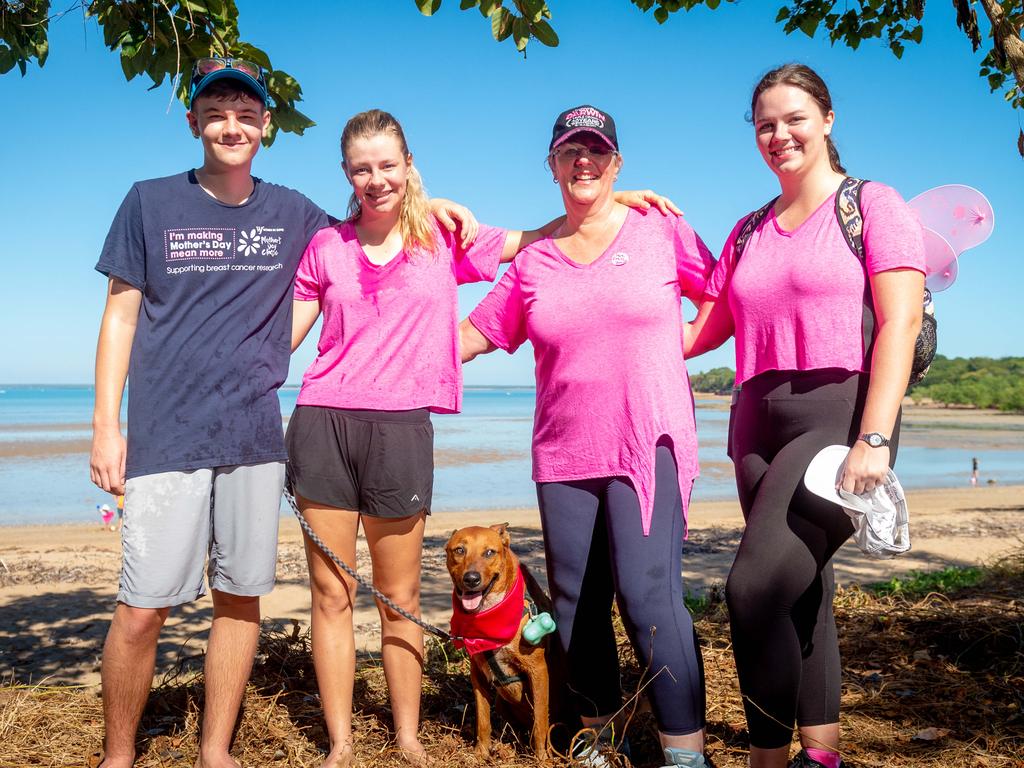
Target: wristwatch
{"type": "Point", "coordinates": [874, 439]}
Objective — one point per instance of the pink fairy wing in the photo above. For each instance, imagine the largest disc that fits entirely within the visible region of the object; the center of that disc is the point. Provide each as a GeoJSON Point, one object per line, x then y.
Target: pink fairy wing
{"type": "Point", "coordinates": [938, 253]}
{"type": "Point", "coordinates": [961, 214]}
{"type": "Point", "coordinates": [941, 280]}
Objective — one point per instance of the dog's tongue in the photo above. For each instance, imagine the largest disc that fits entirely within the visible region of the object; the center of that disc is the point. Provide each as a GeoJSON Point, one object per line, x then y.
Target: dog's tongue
{"type": "Point", "coordinates": [471, 601]}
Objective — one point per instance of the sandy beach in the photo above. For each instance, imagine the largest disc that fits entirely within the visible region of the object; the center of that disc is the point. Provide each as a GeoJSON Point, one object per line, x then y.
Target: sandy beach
{"type": "Point", "coordinates": [58, 582]}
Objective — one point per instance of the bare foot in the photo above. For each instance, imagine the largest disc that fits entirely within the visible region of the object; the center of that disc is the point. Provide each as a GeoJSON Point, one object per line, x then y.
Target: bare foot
{"type": "Point", "coordinates": [414, 753]}
{"type": "Point", "coordinates": [99, 760]}
{"type": "Point", "coordinates": [222, 760]}
{"type": "Point", "coordinates": [340, 757]}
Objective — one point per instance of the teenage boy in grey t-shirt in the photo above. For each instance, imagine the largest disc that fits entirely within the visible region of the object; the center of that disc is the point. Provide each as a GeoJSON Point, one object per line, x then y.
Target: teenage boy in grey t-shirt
{"type": "Point", "coordinates": [198, 319]}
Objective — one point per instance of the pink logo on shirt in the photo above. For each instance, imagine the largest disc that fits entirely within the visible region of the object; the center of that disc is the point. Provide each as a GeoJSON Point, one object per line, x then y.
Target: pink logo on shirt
{"type": "Point", "coordinates": [620, 258]}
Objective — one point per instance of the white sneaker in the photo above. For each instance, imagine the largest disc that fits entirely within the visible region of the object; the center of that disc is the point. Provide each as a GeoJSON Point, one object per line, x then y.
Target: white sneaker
{"type": "Point", "coordinates": [685, 758]}
{"type": "Point", "coordinates": [599, 749]}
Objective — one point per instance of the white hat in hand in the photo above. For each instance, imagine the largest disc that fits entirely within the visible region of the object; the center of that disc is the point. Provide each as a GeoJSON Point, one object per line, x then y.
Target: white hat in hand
{"type": "Point", "coordinates": [880, 518]}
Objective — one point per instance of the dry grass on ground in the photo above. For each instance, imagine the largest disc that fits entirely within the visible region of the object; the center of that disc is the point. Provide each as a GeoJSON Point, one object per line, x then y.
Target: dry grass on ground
{"type": "Point", "coordinates": [933, 681]}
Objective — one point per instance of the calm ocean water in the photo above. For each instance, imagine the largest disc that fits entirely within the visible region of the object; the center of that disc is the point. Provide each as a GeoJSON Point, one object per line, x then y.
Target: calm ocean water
{"type": "Point", "coordinates": [483, 459]}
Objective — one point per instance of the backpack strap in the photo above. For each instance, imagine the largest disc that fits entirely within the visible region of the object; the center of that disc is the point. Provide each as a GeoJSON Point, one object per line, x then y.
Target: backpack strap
{"type": "Point", "coordinates": [848, 213]}
{"type": "Point", "coordinates": [753, 222]}
{"type": "Point", "coordinates": [851, 222]}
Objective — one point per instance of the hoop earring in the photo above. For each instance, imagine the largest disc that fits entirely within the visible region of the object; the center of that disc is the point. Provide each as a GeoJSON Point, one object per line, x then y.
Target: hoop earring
{"type": "Point", "coordinates": [554, 179]}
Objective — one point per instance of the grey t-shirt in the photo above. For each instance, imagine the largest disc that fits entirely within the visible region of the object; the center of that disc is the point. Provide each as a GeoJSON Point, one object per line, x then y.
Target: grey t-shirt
{"type": "Point", "coordinates": [214, 332]}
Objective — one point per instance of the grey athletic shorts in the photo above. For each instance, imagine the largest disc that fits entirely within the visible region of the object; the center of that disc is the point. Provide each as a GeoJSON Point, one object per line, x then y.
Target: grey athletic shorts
{"type": "Point", "coordinates": [175, 521]}
{"type": "Point", "coordinates": [377, 463]}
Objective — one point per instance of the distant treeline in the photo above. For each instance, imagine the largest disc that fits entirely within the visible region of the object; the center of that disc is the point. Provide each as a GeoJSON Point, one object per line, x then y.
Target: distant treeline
{"type": "Point", "coordinates": [983, 382]}
{"type": "Point", "coordinates": [717, 381]}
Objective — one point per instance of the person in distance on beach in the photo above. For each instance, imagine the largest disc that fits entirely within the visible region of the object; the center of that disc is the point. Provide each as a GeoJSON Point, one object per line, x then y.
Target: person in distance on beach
{"type": "Point", "coordinates": [360, 441]}
{"type": "Point", "coordinates": [614, 443]}
{"type": "Point", "coordinates": [809, 373]}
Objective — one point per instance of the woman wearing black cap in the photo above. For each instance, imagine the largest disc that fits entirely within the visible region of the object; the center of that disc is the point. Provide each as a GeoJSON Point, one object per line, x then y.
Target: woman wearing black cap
{"type": "Point", "coordinates": [614, 442]}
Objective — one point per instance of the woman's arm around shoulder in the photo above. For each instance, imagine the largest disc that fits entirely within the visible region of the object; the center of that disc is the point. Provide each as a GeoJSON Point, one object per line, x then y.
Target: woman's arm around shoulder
{"type": "Point", "coordinates": [455, 218]}
{"type": "Point", "coordinates": [712, 326]}
{"type": "Point", "coordinates": [714, 322]}
{"type": "Point", "coordinates": [472, 342]}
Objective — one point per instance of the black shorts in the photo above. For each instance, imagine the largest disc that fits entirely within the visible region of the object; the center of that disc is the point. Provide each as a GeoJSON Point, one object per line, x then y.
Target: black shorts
{"type": "Point", "coordinates": [378, 463]}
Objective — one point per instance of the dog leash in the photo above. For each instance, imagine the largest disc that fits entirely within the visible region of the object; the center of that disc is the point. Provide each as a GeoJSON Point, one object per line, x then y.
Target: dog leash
{"type": "Point", "coordinates": [436, 631]}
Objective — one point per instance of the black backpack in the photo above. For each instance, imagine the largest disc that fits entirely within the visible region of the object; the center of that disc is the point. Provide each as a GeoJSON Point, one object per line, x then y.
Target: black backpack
{"type": "Point", "coordinates": [851, 221]}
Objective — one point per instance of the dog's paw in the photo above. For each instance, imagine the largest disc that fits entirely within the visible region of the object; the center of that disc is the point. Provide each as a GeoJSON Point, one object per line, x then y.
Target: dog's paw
{"type": "Point", "coordinates": [482, 752]}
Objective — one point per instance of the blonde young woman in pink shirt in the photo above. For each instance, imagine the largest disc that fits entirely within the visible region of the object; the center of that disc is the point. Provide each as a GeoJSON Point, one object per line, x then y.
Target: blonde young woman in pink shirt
{"type": "Point", "coordinates": [360, 442]}
{"type": "Point", "coordinates": [810, 372]}
{"type": "Point", "coordinates": [614, 441]}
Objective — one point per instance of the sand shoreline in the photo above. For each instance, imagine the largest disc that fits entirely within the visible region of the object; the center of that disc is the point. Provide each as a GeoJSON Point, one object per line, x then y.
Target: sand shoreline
{"type": "Point", "coordinates": [58, 582]}
{"type": "Point", "coordinates": [915, 417]}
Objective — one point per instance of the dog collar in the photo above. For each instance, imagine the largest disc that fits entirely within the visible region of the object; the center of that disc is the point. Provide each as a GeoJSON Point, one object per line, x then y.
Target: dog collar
{"type": "Point", "coordinates": [491, 629]}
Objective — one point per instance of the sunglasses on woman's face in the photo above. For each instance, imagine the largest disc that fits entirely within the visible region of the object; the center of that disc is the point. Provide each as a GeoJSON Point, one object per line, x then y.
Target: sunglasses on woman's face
{"type": "Point", "coordinates": [574, 152]}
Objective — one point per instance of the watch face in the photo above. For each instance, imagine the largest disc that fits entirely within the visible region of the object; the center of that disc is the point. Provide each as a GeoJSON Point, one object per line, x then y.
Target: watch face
{"type": "Point", "coordinates": [875, 440]}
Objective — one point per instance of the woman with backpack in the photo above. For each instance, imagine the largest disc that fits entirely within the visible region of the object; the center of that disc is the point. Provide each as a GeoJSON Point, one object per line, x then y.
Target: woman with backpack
{"type": "Point", "coordinates": [823, 289]}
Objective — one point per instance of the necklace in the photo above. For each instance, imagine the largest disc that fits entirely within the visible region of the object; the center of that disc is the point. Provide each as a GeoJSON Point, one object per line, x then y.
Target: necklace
{"type": "Point", "coordinates": [207, 190]}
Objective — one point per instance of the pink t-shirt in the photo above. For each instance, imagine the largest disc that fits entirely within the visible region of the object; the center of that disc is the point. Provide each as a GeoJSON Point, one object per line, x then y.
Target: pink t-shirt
{"type": "Point", "coordinates": [607, 340]}
{"type": "Point", "coordinates": [797, 297]}
{"type": "Point", "coordinates": [389, 340]}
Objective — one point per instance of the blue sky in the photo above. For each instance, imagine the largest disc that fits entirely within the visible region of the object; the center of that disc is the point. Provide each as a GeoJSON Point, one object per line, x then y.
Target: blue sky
{"type": "Point", "coordinates": [478, 117]}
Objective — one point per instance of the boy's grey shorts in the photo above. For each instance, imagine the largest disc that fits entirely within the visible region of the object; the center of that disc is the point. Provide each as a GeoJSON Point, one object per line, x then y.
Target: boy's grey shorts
{"type": "Point", "coordinates": [174, 520]}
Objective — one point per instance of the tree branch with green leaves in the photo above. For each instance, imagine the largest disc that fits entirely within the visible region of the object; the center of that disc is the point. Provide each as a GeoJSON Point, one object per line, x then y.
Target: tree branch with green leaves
{"type": "Point", "coordinates": [158, 40]}
{"type": "Point", "coordinates": [161, 38]}
{"type": "Point", "coordinates": [850, 22]}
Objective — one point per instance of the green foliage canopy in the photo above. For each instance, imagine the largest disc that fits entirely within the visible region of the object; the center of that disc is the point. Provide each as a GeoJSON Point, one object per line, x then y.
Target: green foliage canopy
{"type": "Point", "coordinates": [161, 38]}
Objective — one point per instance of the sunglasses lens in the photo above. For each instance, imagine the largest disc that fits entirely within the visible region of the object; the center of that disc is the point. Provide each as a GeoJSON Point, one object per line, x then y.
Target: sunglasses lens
{"type": "Point", "coordinates": [206, 66]}
{"type": "Point", "coordinates": [252, 70]}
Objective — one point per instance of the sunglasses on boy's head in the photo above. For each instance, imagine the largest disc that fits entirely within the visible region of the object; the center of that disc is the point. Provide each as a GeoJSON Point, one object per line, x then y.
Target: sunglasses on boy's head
{"type": "Point", "coordinates": [205, 67]}
{"type": "Point", "coordinates": [214, 63]}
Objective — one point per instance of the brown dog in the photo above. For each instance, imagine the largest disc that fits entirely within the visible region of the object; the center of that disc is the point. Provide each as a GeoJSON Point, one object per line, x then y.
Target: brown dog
{"type": "Point", "coordinates": [489, 615]}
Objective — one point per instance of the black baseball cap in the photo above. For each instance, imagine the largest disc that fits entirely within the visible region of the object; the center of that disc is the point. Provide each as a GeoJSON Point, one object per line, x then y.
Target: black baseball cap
{"type": "Point", "coordinates": [584, 119]}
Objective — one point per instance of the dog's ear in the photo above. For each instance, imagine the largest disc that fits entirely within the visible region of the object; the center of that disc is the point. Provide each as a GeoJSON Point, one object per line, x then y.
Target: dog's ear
{"type": "Point", "coordinates": [502, 531]}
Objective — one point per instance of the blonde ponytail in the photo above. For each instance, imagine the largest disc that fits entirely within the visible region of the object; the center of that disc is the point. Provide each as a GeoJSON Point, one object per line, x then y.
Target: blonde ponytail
{"type": "Point", "coordinates": [416, 221]}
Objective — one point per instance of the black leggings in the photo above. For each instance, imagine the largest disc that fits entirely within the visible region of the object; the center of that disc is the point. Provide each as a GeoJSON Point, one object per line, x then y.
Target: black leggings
{"type": "Point", "coordinates": [781, 585]}
{"type": "Point", "coordinates": [596, 550]}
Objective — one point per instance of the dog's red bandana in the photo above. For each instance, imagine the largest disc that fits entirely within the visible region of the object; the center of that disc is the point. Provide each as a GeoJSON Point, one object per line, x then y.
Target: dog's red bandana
{"type": "Point", "coordinates": [493, 628]}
